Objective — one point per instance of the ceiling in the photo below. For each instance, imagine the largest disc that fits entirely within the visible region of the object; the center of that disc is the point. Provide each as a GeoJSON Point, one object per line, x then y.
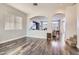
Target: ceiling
{"type": "Point", "coordinates": [42, 8]}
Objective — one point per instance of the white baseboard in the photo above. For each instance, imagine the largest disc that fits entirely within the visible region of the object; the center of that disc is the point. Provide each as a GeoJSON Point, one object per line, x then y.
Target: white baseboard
{"type": "Point", "coordinates": [12, 39]}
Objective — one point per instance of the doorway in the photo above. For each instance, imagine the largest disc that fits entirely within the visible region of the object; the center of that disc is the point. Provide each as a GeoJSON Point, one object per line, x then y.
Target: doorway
{"type": "Point", "coordinates": [58, 27]}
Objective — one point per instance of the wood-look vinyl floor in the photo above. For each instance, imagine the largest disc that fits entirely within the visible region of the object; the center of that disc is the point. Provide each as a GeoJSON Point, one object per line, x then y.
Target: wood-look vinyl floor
{"type": "Point", "coordinates": [42, 47]}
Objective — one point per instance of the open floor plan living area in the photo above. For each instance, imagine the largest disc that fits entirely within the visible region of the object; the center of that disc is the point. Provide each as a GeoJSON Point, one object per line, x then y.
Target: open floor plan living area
{"type": "Point", "coordinates": [39, 28]}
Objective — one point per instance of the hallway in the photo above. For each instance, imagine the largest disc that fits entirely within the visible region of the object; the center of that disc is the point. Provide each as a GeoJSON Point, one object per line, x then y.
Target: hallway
{"type": "Point", "coordinates": [33, 46]}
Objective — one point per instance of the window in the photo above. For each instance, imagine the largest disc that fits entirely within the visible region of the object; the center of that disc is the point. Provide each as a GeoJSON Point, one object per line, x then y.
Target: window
{"type": "Point", "coordinates": [35, 25]}
{"type": "Point", "coordinates": [55, 25]}
{"type": "Point", "coordinates": [13, 22]}
{"type": "Point", "coordinates": [42, 25]}
{"type": "Point", "coordinates": [18, 23]}
{"type": "Point", "coordinates": [38, 23]}
{"type": "Point", "coordinates": [9, 22]}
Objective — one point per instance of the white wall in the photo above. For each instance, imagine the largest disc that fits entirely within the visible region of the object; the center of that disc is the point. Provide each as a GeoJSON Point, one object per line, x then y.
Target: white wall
{"type": "Point", "coordinates": [71, 21]}
{"type": "Point", "coordinates": [37, 34]}
{"type": "Point", "coordinates": [77, 25]}
{"type": "Point", "coordinates": [7, 35]}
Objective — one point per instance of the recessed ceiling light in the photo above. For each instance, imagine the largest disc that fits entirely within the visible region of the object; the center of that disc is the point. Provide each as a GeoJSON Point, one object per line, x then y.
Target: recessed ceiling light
{"type": "Point", "coordinates": [73, 4]}
{"type": "Point", "coordinates": [35, 4]}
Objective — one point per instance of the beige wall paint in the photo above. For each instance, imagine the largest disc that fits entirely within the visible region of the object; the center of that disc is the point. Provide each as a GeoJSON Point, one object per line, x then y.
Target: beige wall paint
{"type": "Point", "coordinates": [77, 25]}
{"type": "Point", "coordinates": [71, 21]}
{"type": "Point", "coordinates": [7, 35]}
